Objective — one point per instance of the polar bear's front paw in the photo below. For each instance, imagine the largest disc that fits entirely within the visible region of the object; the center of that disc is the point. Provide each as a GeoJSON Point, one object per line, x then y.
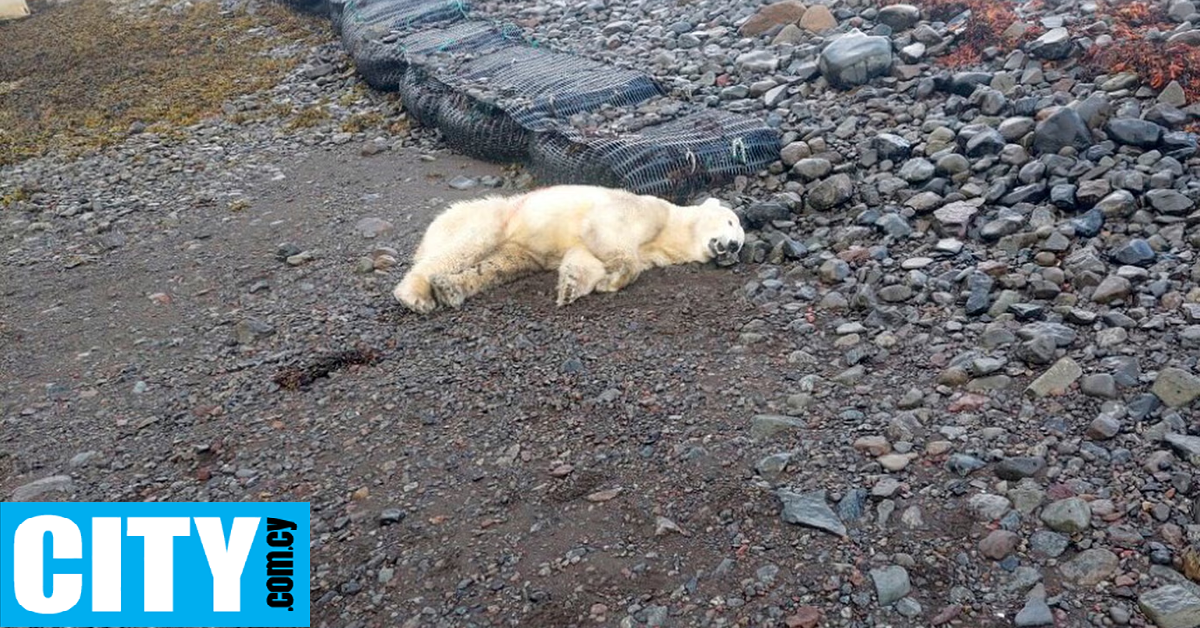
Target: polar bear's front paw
{"type": "Point", "coordinates": [568, 290]}
{"type": "Point", "coordinates": [610, 283]}
{"type": "Point", "coordinates": [447, 292]}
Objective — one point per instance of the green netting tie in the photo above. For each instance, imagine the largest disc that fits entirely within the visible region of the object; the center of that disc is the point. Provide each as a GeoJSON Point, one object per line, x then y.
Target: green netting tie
{"type": "Point", "coordinates": [738, 150]}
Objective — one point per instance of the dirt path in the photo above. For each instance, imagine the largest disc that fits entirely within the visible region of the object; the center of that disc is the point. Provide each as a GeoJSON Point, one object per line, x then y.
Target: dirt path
{"type": "Point", "coordinates": [530, 450]}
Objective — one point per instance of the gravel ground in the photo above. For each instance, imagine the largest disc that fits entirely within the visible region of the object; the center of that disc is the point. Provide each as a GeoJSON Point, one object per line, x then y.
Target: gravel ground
{"type": "Point", "coordinates": [953, 382]}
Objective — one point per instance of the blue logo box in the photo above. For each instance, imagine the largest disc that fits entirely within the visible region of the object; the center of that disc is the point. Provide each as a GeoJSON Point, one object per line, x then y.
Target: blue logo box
{"type": "Point", "coordinates": [177, 564]}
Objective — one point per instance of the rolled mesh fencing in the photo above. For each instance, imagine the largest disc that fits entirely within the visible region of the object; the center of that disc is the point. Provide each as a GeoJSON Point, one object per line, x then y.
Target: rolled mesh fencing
{"type": "Point", "coordinates": [495, 95]}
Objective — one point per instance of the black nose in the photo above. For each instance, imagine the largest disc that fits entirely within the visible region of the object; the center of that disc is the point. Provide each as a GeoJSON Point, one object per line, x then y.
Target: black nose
{"type": "Point", "coordinates": [735, 246]}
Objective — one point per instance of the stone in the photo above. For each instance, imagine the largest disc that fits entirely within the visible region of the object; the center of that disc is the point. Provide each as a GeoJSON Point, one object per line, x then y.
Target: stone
{"type": "Point", "coordinates": [1169, 201]}
{"type": "Point", "coordinates": [765, 426]}
{"type": "Point", "coordinates": [885, 488]}
{"type": "Point", "coordinates": [1054, 45]}
{"type": "Point", "coordinates": [372, 227]}
{"type": "Point", "coordinates": [987, 507]}
{"type": "Point", "coordinates": [917, 170]}
{"type": "Point", "coordinates": [1096, 109]}
{"type": "Point", "coordinates": [1166, 116]}
{"type": "Point", "coordinates": [804, 617]}
{"type": "Point", "coordinates": [1013, 129]}
{"type": "Point", "coordinates": [1117, 204]}
{"type": "Point", "coordinates": [1171, 606]}
{"type": "Point", "coordinates": [811, 510]}
{"type": "Point", "coordinates": [899, 17]}
{"type": "Point", "coordinates": [818, 19]}
{"type": "Point", "coordinates": [1089, 224]}
{"type": "Point", "coordinates": [1135, 252]}
{"type": "Point", "coordinates": [1173, 95]}
{"type": "Point", "coordinates": [1176, 387]}
{"type": "Point", "coordinates": [1069, 515]}
{"type": "Point", "coordinates": [1090, 567]}
{"type": "Point", "coordinates": [772, 15]}
{"type": "Point", "coordinates": [854, 59]}
{"type": "Point", "coordinates": [963, 464]}
{"type": "Point", "coordinates": [794, 152]}
{"type": "Point", "coordinates": [1187, 38]}
{"type": "Point", "coordinates": [1019, 467]}
{"type": "Point", "coordinates": [1112, 289]}
{"type": "Point", "coordinates": [1036, 612]}
{"type": "Point", "coordinates": [773, 466]}
{"type": "Point", "coordinates": [812, 168]}
{"type": "Point", "coordinates": [1048, 544]}
{"type": "Point", "coordinates": [250, 329]}
{"type": "Point", "coordinates": [791, 35]}
{"type": "Point", "coordinates": [830, 193]}
{"type": "Point", "coordinates": [762, 213]}
{"type": "Point", "coordinates": [966, 83]}
{"type": "Point", "coordinates": [37, 488]}
{"type": "Point", "coordinates": [895, 462]}
{"type": "Point", "coordinates": [1187, 446]}
{"type": "Point", "coordinates": [757, 61]}
{"type": "Point", "coordinates": [890, 146]}
{"type": "Point", "coordinates": [891, 583]}
{"type": "Point", "coordinates": [999, 544]}
{"type": "Point", "coordinates": [985, 142]}
{"type": "Point", "coordinates": [955, 217]}
{"type": "Point", "coordinates": [1180, 10]}
{"type": "Point", "coordinates": [1056, 379]}
{"type": "Point", "coordinates": [1100, 385]}
{"type": "Point", "coordinates": [1135, 132]}
{"type": "Point", "coordinates": [1104, 427]}
{"type": "Point", "coordinates": [873, 445]}
{"type": "Point", "coordinates": [463, 183]}
{"type": "Point", "coordinates": [913, 52]}
{"type": "Point", "coordinates": [1063, 128]}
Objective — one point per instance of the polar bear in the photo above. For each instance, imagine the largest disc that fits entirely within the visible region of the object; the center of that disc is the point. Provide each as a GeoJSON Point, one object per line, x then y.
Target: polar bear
{"type": "Point", "coordinates": [598, 239]}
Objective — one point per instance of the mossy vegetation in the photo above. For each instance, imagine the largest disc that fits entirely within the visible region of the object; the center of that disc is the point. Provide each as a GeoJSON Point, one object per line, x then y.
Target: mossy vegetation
{"type": "Point", "coordinates": [77, 76]}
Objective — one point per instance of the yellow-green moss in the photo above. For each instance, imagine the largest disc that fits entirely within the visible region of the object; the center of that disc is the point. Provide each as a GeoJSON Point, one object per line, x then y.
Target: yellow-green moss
{"type": "Point", "coordinates": [76, 76]}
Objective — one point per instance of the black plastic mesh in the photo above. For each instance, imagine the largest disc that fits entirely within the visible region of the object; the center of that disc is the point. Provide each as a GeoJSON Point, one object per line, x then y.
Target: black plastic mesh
{"type": "Point", "coordinates": [537, 87]}
{"type": "Point", "coordinates": [308, 6]}
{"type": "Point", "coordinates": [401, 15]}
{"type": "Point", "coordinates": [383, 65]}
{"type": "Point", "coordinates": [337, 8]}
{"type": "Point", "coordinates": [474, 36]}
{"type": "Point", "coordinates": [674, 160]}
{"type": "Point", "coordinates": [421, 94]}
{"type": "Point", "coordinates": [482, 130]}
{"type": "Point", "coordinates": [499, 99]}
{"type": "Point", "coordinates": [495, 97]}
{"type": "Point", "coordinates": [370, 28]}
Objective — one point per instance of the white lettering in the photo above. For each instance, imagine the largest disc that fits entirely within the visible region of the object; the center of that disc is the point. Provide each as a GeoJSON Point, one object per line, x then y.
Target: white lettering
{"type": "Point", "coordinates": [106, 564]}
{"type": "Point", "coordinates": [159, 534]}
{"type": "Point", "coordinates": [226, 564]}
{"type": "Point", "coordinates": [29, 570]}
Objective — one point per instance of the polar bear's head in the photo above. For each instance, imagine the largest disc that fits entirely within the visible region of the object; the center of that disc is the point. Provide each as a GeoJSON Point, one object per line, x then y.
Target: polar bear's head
{"type": "Point", "coordinates": [718, 230]}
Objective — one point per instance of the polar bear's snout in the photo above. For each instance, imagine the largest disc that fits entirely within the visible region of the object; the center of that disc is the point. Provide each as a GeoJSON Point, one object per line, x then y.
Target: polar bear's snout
{"type": "Point", "coordinates": [723, 246]}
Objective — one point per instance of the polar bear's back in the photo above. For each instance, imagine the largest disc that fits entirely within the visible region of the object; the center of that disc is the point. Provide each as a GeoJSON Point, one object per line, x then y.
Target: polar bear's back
{"type": "Point", "coordinates": [553, 219]}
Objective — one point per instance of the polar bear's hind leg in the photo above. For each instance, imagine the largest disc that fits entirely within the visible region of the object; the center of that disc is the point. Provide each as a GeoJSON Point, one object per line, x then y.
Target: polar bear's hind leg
{"type": "Point", "coordinates": [459, 238]}
{"type": "Point", "coordinates": [507, 263]}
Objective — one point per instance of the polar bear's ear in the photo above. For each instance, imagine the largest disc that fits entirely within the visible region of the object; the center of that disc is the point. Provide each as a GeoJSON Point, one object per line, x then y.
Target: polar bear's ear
{"type": "Point", "coordinates": [711, 203]}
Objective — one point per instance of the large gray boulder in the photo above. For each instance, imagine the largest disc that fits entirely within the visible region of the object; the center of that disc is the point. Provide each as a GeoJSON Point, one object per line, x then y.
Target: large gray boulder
{"type": "Point", "coordinates": [855, 58]}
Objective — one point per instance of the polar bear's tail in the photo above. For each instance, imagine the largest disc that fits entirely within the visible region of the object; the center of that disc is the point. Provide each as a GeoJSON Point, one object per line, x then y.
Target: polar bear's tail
{"type": "Point", "coordinates": [456, 240]}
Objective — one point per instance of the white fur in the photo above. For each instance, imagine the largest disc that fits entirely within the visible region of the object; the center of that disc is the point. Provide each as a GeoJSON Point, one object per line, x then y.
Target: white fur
{"type": "Point", "coordinates": [598, 239]}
